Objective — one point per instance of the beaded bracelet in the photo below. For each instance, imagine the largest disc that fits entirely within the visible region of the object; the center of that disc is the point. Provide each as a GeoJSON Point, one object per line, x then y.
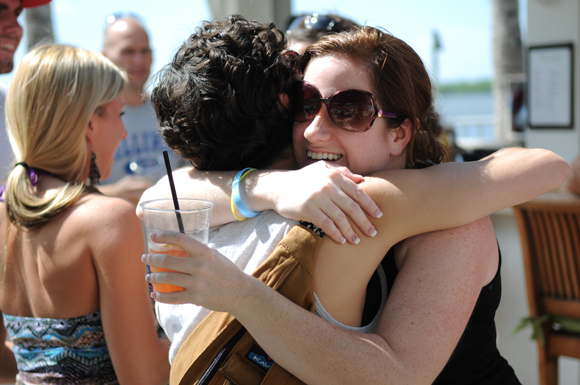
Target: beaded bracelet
{"type": "Point", "coordinates": [236, 200]}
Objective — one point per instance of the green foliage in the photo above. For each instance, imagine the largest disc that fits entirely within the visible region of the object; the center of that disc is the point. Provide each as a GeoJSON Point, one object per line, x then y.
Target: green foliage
{"type": "Point", "coordinates": [465, 87]}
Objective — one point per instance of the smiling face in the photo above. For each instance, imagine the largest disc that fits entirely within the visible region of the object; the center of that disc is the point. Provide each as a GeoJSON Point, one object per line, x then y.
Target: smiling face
{"type": "Point", "coordinates": [107, 132]}
{"type": "Point", "coordinates": [10, 33]}
{"type": "Point", "coordinates": [364, 153]}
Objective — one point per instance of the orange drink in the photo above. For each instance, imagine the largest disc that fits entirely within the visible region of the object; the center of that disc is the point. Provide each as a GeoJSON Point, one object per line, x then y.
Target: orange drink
{"type": "Point", "coordinates": [192, 219]}
{"type": "Point", "coordinates": [174, 251]}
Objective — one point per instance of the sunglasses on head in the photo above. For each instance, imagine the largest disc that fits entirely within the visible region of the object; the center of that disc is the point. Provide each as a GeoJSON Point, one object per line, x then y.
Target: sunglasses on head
{"type": "Point", "coordinates": [314, 21]}
{"type": "Point", "coordinates": [352, 110]}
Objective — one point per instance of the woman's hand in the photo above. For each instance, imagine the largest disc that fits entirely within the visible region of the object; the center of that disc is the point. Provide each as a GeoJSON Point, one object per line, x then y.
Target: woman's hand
{"type": "Point", "coordinates": [209, 279]}
{"type": "Point", "coordinates": [322, 194]}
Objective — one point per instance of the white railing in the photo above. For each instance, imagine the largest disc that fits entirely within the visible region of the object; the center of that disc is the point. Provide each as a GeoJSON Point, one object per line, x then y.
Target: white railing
{"type": "Point", "coordinates": [472, 126]}
{"type": "Point", "coordinates": [473, 131]}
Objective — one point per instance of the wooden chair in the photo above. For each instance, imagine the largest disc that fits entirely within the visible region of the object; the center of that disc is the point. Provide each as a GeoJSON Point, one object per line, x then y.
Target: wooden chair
{"type": "Point", "coordinates": [549, 229]}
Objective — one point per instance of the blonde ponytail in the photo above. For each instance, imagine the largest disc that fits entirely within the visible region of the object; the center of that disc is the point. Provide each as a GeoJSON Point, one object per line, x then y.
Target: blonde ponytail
{"type": "Point", "coordinates": [51, 98]}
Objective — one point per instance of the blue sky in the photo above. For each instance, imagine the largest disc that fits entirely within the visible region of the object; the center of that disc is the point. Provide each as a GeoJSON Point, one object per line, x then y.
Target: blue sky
{"type": "Point", "coordinates": [465, 27]}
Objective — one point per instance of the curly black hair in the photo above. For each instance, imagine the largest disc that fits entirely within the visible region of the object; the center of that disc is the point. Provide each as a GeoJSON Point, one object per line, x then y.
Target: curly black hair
{"type": "Point", "coordinates": [217, 102]}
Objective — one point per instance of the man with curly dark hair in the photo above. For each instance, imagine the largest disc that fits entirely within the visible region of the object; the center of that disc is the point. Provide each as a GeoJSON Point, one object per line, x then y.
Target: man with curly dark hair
{"type": "Point", "coordinates": [219, 102]}
{"type": "Point", "coordinates": [222, 105]}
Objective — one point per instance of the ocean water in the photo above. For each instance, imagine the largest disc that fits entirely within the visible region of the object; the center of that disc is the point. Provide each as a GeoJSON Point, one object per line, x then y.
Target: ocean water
{"type": "Point", "coordinates": [469, 114]}
{"type": "Point", "coordinates": [479, 103]}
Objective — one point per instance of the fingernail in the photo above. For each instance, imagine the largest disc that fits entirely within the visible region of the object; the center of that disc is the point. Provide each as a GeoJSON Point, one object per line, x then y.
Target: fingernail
{"type": "Point", "coordinates": [152, 294]}
{"type": "Point", "coordinates": [356, 240]}
{"type": "Point", "coordinates": [342, 240]}
{"type": "Point", "coordinates": [378, 213]}
{"type": "Point", "coordinates": [372, 232]}
{"type": "Point", "coordinates": [143, 257]}
{"type": "Point", "coordinates": [147, 277]}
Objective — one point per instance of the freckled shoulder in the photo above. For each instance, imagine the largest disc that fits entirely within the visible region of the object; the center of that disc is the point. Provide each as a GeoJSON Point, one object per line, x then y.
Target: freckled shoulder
{"type": "Point", "coordinates": [472, 248]}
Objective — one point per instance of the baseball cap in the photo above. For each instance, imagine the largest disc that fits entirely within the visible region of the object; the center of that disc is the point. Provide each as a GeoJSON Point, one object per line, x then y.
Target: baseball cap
{"type": "Point", "coordinates": [34, 3]}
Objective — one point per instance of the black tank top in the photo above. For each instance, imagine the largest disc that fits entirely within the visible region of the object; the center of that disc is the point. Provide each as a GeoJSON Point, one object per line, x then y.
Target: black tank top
{"type": "Point", "coordinates": [475, 359]}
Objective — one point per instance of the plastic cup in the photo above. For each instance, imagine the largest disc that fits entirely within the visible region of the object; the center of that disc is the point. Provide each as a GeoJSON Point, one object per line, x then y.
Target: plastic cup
{"type": "Point", "coordinates": [160, 215]}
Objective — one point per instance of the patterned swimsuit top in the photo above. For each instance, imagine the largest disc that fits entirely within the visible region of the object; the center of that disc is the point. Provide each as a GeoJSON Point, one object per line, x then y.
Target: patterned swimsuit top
{"type": "Point", "coordinates": [61, 351]}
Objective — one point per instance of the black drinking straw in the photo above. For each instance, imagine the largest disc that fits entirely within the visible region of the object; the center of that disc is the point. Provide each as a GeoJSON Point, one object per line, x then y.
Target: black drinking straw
{"type": "Point", "coordinates": [173, 193]}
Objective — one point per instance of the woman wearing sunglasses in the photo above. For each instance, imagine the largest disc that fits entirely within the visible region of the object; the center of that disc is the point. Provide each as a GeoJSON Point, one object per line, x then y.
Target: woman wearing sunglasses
{"type": "Point", "coordinates": [433, 281]}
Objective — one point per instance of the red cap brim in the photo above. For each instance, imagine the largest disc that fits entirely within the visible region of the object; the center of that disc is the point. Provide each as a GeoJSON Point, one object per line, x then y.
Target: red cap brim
{"type": "Point", "coordinates": [34, 3]}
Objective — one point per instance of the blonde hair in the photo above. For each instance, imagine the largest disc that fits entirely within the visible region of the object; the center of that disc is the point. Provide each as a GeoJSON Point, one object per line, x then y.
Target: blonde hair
{"type": "Point", "coordinates": [51, 98]}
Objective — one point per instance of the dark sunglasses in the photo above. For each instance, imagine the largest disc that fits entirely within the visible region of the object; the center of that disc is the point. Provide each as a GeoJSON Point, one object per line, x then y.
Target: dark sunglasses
{"type": "Point", "coordinates": [353, 110]}
{"type": "Point", "coordinates": [314, 21]}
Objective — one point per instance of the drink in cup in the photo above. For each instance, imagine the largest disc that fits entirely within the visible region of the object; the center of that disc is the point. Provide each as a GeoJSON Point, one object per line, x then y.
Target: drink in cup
{"type": "Point", "coordinates": [192, 218]}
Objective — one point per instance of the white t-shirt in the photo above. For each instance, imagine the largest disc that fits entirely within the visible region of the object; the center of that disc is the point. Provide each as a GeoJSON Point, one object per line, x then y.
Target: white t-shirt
{"type": "Point", "coordinates": [247, 244]}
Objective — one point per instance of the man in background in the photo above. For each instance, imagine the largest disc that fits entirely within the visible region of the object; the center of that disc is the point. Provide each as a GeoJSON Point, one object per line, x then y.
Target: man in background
{"type": "Point", "coordinates": [10, 36]}
{"type": "Point", "coordinates": [139, 158]}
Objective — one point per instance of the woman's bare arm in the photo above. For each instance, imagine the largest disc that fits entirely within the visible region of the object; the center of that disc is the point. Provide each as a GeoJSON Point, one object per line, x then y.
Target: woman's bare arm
{"type": "Point", "coordinates": [117, 243]}
{"type": "Point", "coordinates": [322, 194]}
{"type": "Point", "coordinates": [420, 201]}
{"type": "Point", "coordinates": [328, 196]}
{"type": "Point", "coordinates": [8, 369]}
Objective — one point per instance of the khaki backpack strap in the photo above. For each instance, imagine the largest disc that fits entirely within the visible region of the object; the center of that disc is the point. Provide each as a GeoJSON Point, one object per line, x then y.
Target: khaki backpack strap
{"type": "Point", "coordinates": [287, 270]}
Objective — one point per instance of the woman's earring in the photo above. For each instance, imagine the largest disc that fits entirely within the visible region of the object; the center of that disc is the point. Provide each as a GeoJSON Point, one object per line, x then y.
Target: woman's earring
{"type": "Point", "coordinates": [94, 173]}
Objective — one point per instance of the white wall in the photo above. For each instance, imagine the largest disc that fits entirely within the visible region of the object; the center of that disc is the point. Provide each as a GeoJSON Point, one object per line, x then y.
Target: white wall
{"type": "Point", "coordinates": [556, 22]}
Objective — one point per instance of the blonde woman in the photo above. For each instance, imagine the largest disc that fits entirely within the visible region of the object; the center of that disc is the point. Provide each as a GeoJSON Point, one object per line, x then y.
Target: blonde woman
{"type": "Point", "coordinates": [71, 282]}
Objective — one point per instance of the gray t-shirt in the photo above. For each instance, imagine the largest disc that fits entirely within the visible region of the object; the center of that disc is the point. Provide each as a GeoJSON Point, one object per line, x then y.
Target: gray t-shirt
{"type": "Point", "coordinates": [141, 152]}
